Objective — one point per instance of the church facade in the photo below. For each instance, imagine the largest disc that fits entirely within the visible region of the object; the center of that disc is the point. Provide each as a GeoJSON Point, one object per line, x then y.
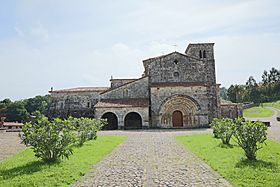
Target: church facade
{"type": "Point", "coordinates": [177, 90]}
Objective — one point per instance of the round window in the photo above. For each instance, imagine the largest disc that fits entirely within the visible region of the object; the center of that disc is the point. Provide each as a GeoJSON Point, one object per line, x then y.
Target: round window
{"type": "Point", "coordinates": [176, 74]}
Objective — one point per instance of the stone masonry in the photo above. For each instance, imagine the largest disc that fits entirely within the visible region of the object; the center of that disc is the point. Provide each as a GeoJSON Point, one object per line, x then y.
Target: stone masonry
{"type": "Point", "coordinates": [176, 90]}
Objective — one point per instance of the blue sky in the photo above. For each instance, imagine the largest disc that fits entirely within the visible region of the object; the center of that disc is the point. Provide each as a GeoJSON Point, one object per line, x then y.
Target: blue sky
{"type": "Point", "coordinates": [65, 43]}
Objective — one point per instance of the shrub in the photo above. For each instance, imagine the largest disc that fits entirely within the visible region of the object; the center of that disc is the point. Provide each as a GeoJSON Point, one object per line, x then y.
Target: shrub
{"type": "Point", "coordinates": [87, 129]}
{"type": "Point", "coordinates": [223, 129]}
{"type": "Point", "coordinates": [250, 136]}
{"type": "Point", "coordinates": [215, 125]}
{"type": "Point", "coordinates": [49, 140]}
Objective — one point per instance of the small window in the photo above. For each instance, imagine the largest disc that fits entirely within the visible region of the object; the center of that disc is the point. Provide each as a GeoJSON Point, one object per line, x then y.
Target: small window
{"type": "Point", "coordinates": [175, 61]}
{"type": "Point", "coordinates": [204, 54]}
{"type": "Point", "coordinates": [176, 74]}
{"type": "Point", "coordinates": [88, 104]}
{"type": "Point", "coordinates": [125, 92]}
{"type": "Point", "coordinates": [200, 54]}
{"type": "Point", "coordinates": [61, 105]}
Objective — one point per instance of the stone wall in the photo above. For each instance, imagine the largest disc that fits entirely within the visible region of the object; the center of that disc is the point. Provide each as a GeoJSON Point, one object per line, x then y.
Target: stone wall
{"type": "Point", "coordinates": [122, 112]}
{"type": "Point", "coordinates": [198, 94]}
{"type": "Point", "coordinates": [232, 110]}
{"type": "Point", "coordinates": [135, 89]}
{"type": "Point", "coordinates": [76, 104]}
{"type": "Point", "coordinates": [119, 82]}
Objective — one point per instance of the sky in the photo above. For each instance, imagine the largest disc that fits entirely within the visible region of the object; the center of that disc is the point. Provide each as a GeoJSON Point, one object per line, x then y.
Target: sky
{"type": "Point", "coordinates": [67, 43]}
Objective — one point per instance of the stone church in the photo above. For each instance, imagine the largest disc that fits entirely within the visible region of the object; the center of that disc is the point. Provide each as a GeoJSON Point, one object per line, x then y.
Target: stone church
{"type": "Point", "coordinates": [176, 90]}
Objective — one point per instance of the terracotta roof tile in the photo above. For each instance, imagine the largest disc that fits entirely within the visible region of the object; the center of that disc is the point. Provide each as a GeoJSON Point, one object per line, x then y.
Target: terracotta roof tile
{"type": "Point", "coordinates": [12, 124]}
{"type": "Point", "coordinates": [81, 89]}
{"type": "Point", "coordinates": [120, 103]}
{"type": "Point", "coordinates": [185, 84]}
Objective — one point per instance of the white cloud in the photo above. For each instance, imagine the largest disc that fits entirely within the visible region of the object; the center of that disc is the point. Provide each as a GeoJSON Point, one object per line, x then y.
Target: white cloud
{"type": "Point", "coordinates": [40, 33]}
{"type": "Point", "coordinates": [69, 43]}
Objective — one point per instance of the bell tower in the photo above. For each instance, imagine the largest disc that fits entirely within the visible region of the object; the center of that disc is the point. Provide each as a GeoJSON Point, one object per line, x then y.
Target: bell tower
{"type": "Point", "coordinates": [202, 51]}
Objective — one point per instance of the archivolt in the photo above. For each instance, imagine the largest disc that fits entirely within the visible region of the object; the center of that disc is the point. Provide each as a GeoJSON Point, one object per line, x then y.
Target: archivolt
{"type": "Point", "coordinates": [187, 105]}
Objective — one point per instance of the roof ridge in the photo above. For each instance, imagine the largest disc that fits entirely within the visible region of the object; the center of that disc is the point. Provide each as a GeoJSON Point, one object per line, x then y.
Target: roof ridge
{"type": "Point", "coordinates": [110, 89]}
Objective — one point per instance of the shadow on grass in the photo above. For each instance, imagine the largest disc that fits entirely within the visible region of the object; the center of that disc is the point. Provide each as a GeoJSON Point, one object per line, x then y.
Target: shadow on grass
{"type": "Point", "coordinates": [256, 164]}
{"type": "Point", "coordinates": [226, 146]}
{"type": "Point", "coordinates": [26, 169]}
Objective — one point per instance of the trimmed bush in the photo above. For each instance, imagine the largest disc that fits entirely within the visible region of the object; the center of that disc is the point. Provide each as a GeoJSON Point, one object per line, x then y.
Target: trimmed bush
{"type": "Point", "coordinates": [87, 129]}
{"type": "Point", "coordinates": [223, 129]}
{"type": "Point", "coordinates": [49, 140]}
{"type": "Point", "coordinates": [250, 136]}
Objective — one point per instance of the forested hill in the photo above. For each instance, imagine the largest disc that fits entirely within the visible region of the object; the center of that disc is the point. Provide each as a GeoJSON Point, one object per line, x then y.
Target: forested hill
{"type": "Point", "coordinates": [267, 90]}
{"type": "Point", "coordinates": [21, 110]}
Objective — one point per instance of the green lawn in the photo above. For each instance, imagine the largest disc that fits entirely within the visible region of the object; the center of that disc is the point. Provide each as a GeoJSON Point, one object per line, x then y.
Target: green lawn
{"type": "Point", "coordinates": [231, 162]}
{"type": "Point", "coordinates": [24, 169]}
{"type": "Point", "coordinates": [273, 104]}
{"type": "Point", "coordinates": [258, 112]}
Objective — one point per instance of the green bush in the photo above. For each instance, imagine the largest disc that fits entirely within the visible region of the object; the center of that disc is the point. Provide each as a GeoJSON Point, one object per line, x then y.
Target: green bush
{"type": "Point", "coordinates": [87, 129]}
{"type": "Point", "coordinates": [223, 129]}
{"type": "Point", "coordinates": [49, 140]}
{"type": "Point", "coordinates": [250, 136]}
{"type": "Point", "coordinates": [215, 125]}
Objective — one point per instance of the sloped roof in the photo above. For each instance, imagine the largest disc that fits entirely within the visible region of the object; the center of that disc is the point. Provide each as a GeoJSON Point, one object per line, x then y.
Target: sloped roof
{"type": "Point", "coordinates": [162, 56]}
{"type": "Point", "coordinates": [81, 89]}
{"type": "Point", "coordinates": [122, 103]}
{"type": "Point", "coordinates": [110, 89]}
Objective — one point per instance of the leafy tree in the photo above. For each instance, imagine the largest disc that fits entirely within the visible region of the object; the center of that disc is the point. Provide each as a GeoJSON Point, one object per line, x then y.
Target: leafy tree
{"type": "Point", "coordinates": [223, 93]}
{"type": "Point", "coordinates": [49, 140]}
{"type": "Point", "coordinates": [274, 75]}
{"type": "Point", "coordinates": [16, 112]}
{"type": "Point", "coordinates": [235, 93]}
{"type": "Point", "coordinates": [250, 136]}
{"type": "Point", "coordinates": [252, 92]}
{"type": "Point", "coordinates": [38, 103]}
{"type": "Point", "coordinates": [265, 78]}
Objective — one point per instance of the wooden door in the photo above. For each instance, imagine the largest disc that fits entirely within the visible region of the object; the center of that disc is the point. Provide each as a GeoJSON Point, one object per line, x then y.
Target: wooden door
{"type": "Point", "coordinates": [177, 119]}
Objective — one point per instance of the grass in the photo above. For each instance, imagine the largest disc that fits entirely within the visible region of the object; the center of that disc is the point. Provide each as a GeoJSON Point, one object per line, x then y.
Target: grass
{"type": "Point", "coordinates": [273, 104]}
{"type": "Point", "coordinates": [258, 112]}
{"type": "Point", "coordinates": [232, 164]}
{"type": "Point", "coordinates": [24, 169]}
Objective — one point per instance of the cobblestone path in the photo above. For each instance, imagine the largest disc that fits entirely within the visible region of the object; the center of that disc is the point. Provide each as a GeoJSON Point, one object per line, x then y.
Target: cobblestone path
{"type": "Point", "coordinates": [9, 144]}
{"type": "Point", "coordinates": [151, 158]}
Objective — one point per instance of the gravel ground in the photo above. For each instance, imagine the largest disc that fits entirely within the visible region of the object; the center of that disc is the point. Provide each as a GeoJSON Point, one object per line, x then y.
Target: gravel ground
{"type": "Point", "coordinates": [152, 158]}
{"type": "Point", "coordinates": [9, 144]}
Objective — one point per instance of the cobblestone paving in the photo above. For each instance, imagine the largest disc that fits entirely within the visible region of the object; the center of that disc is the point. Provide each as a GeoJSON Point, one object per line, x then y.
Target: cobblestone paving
{"type": "Point", "coordinates": [274, 130]}
{"type": "Point", "coordinates": [152, 158]}
{"type": "Point", "coordinates": [9, 144]}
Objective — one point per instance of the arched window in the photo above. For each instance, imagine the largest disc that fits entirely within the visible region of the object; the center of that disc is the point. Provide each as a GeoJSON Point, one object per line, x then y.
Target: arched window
{"type": "Point", "coordinates": [200, 54]}
{"type": "Point", "coordinates": [204, 54]}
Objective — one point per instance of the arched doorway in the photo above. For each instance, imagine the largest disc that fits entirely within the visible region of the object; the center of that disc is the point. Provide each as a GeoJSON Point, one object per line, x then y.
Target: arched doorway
{"type": "Point", "coordinates": [177, 119]}
{"type": "Point", "coordinates": [132, 121]}
{"type": "Point", "coordinates": [112, 121]}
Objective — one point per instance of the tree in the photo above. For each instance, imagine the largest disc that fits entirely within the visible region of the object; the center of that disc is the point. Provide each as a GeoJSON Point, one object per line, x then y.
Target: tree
{"type": "Point", "coordinates": [250, 136]}
{"type": "Point", "coordinates": [265, 79]}
{"type": "Point", "coordinates": [274, 75]}
{"type": "Point", "coordinates": [252, 92]}
{"type": "Point", "coordinates": [235, 93]}
{"type": "Point", "coordinates": [16, 112]}
{"type": "Point", "coordinates": [223, 93]}
{"type": "Point", "coordinates": [38, 103]}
